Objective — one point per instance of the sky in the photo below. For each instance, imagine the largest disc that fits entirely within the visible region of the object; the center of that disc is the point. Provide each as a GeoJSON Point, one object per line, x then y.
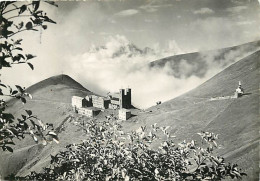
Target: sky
{"type": "Point", "coordinates": [106, 45]}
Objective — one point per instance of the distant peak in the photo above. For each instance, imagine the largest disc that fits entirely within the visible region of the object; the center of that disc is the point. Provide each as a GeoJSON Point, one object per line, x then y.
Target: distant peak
{"type": "Point", "coordinates": [61, 76]}
{"type": "Point", "coordinates": [61, 79]}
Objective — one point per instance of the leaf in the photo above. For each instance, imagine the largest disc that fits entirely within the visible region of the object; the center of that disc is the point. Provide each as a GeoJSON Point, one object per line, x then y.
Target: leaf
{"type": "Point", "coordinates": [9, 148]}
{"type": "Point", "coordinates": [18, 48]}
{"type": "Point", "coordinates": [47, 19]}
{"type": "Point", "coordinates": [40, 122]}
{"type": "Point", "coordinates": [44, 27]}
{"type": "Point", "coordinates": [127, 178]}
{"type": "Point", "coordinates": [14, 92]}
{"type": "Point", "coordinates": [24, 117]}
{"type": "Point", "coordinates": [44, 142]}
{"type": "Point", "coordinates": [2, 85]}
{"type": "Point", "coordinates": [29, 95]}
{"type": "Point", "coordinates": [23, 100]}
{"type": "Point", "coordinates": [31, 65]}
{"type": "Point", "coordinates": [35, 139]}
{"type": "Point", "coordinates": [7, 116]}
{"type": "Point", "coordinates": [35, 5]}
{"type": "Point", "coordinates": [29, 56]}
{"type": "Point", "coordinates": [22, 9]}
{"type": "Point", "coordinates": [29, 112]}
{"type": "Point", "coordinates": [18, 42]}
{"type": "Point", "coordinates": [20, 25]}
{"type": "Point", "coordinates": [19, 88]}
{"type": "Point", "coordinates": [156, 171]}
{"type": "Point", "coordinates": [29, 25]}
{"type": "Point", "coordinates": [56, 140]}
{"type": "Point", "coordinates": [21, 56]}
{"type": "Point", "coordinates": [33, 123]}
{"type": "Point", "coordinates": [52, 133]}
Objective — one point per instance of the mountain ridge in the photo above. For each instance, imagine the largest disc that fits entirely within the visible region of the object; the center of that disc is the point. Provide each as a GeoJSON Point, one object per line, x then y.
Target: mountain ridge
{"type": "Point", "coordinates": [235, 120]}
{"type": "Point", "coordinates": [199, 62]}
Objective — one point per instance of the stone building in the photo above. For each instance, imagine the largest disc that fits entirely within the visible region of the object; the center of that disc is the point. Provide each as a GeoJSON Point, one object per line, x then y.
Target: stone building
{"type": "Point", "coordinates": [89, 100]}
{"type": "Point", "coordinates": [89, 112]}
{"type": "Point", "coordinates": [78, 102]}
{"type": "Point", "coordinates": [122, 99]}
{"type": "Point", "coordinates": [100, 102]}
{"type": "Point", "coordinates": [124, 114]}
{"type": "Point", "coordinates": [114, 103]}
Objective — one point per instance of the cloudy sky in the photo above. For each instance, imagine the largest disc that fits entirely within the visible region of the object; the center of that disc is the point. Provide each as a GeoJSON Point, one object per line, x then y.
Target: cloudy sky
{"type": "Point", "coordinates": [86, 43]}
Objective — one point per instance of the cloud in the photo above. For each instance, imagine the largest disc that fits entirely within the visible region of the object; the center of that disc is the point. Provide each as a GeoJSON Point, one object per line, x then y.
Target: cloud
{"type": "Point", "coordinates": [173, 48]}
{"type": "Point", "coordinates": [245, 22]}
{"type": "Point", "coordinates": [217, 32]}
{"type": "Point", "coordinates": [218, 60]}
{"type": "Point", "coordinates": [236, 9]}
{"type": "Point", "coordinates": [204, 11]}
{"type": "Point", "coordinates": [112, 64]}
{"type": "Point", "coordinates": [128, 12]}
{"type": "Point", "coordinates": [100, 71]}
{"type": "Point", "coordinates": [153, 7]}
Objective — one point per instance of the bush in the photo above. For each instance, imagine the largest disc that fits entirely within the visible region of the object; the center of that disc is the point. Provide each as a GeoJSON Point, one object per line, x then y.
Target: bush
{"type": "Point", "coordinates": [12, 23]}
{"type": "Point", "coordinates": [110, 154]}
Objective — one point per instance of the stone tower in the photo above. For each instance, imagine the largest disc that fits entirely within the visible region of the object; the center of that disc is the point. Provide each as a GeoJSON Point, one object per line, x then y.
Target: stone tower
{"type": "Point", "coordinates": [128, 98]}
{"type": "Point", "coordinates": [121, 98]}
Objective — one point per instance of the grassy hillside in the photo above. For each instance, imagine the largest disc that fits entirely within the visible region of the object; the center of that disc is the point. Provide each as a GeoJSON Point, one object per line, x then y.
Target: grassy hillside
{"type": "Point", "coordinates": [51, 103]}
{"type": "Point", "coordinates": [235, 120]}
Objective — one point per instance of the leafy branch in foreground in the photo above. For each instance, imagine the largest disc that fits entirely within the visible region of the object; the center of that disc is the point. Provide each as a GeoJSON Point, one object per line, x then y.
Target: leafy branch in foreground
{"type": "Point", "coordinates": [26, 125]}
{"type": "Point", "coordinates": [15, 18]}
{"type": "Point", "coordinates": [110, 154]}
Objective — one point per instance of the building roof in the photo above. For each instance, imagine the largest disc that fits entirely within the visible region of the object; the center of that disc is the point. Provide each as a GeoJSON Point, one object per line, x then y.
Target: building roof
{"type": "Point", "coordinates": [124, 110]}
{"type": "Point", "coordinates": [116, 95]}
{"type": "Point", "coordinates": [90, 108]}
{"type": "Point", "coordinates": [77, 97]}
{"type": "Point", "coordinates": [115, 98]}
{"type": "Point", "coordinates": [100, 97]}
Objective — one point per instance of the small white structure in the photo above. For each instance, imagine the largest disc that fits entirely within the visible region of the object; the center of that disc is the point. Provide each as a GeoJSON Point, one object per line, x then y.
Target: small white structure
{"type": "Point", "coordinates": [124, 114]}
{"type": "Point", "coordinates": [89, 112]}
{"type": "Point", "coordinates": [78, 102]}
{"type": "Point", "coordinates": [239, 91]}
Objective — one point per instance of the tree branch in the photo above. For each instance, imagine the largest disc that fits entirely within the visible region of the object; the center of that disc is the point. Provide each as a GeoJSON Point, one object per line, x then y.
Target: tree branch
{"type": "Point", "coordinates": [18, 16]}
{"type": "Point", "coordinates": [15, 8]}
{"type": "Point", "coordinates": [19, 32]}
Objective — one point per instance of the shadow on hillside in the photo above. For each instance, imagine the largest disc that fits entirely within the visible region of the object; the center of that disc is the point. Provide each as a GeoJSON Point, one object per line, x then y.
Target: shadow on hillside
{"type": "Point", "coordinates": [246, 94]}
{"type": "Point", "coordinates": [133, 115]}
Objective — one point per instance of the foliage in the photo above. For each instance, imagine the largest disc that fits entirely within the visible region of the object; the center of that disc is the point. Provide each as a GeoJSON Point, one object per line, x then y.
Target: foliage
{"type": "Point", "coordinates": [110, 154]}
{"type": "Point", "coordinates": [16, 17]}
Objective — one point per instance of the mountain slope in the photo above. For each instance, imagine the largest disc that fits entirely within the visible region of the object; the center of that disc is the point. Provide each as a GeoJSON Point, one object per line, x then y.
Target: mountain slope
{"type": "Point", "coordinates": [235, 120]}
{"type": "Point", "coordinates": [51, 103]}
{"type": "Point", "coordinates": [198, 63]}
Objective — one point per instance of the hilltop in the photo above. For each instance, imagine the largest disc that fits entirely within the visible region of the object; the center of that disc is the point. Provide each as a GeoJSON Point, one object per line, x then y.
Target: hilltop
{"type": "Point", "coordinates": [235, 120]}
{"type": "Point", "coordinates": [51, 103]}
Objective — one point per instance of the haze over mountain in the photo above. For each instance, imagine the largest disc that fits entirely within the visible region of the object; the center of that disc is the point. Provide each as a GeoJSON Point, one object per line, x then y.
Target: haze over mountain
{"type": "Point", "coordinates": [128, 50]}
{"type": "Point", "coordinates": [200, 63]}
{"type": "Point", "coordinates": [235, 120]}
{"type": "Point", "coordinates": [120, 63]}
